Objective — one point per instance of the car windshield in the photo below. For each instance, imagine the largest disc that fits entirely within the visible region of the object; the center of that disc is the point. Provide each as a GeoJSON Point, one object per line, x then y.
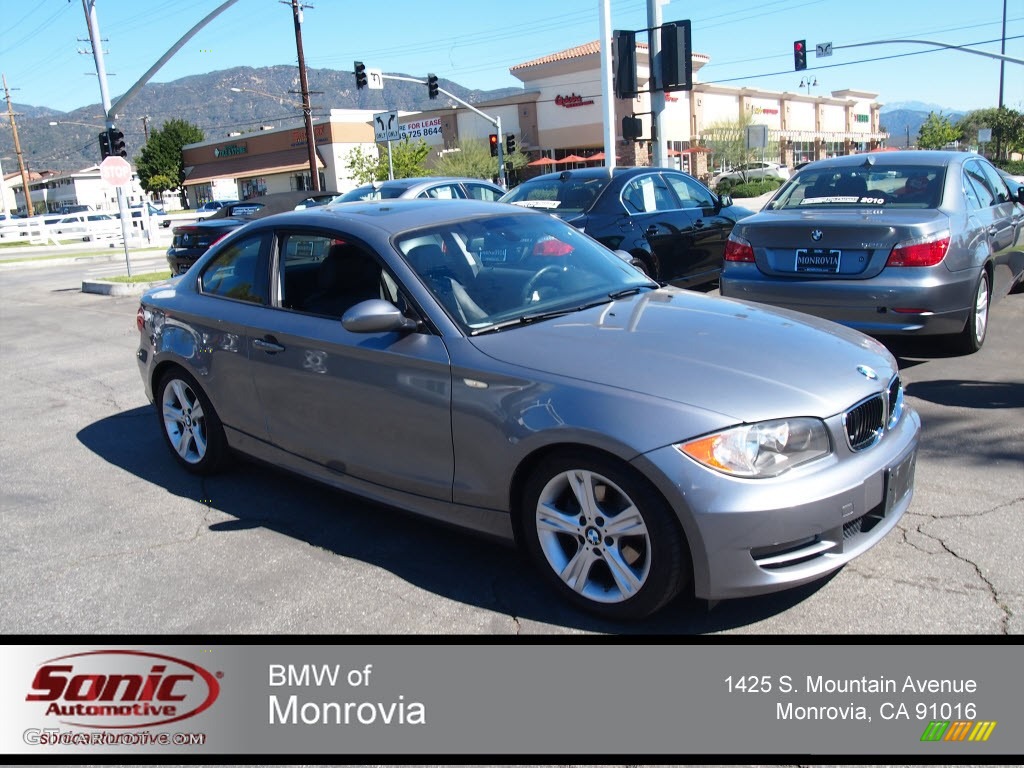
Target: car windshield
{"type": "Point", "coordinates": [369, 193]}
{"type": "Point", "coordinates": [562, 197]}
{"type": "Point", "coordinates": [498, 271]}
{"type": "Point", "coordinates": [877, 186]}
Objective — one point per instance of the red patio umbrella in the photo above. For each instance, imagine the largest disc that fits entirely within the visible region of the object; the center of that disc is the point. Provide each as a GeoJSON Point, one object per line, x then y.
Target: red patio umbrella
{"type": "Point", "coordinates": [572, 159]}
{"type": "Point", "coordinates": [543, 161]}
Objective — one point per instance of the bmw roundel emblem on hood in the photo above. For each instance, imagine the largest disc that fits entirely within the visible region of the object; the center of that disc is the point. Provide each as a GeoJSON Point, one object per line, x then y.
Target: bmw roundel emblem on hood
{"type": "Point", "coordinates": [816, 235]}
{"type": "Point", "coordinates": [867, 372]}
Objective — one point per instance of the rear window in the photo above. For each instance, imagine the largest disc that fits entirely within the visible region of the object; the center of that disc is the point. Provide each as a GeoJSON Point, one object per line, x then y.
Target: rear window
{"type": "Point", "coordinates": [557, 196]}
{"type": "Point", "coordinates": [370, 193]}
{"type": "Point", "coordinates": [913, 186]}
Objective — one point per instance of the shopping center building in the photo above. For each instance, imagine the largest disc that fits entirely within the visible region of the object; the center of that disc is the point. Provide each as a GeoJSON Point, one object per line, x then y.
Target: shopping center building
{"type": "Point", "coordinates": [558, 115]}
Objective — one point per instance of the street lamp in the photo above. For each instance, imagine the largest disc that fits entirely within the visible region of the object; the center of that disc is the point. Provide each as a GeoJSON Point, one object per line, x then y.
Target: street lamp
{"type": "Point", "coordinates": [806, 83]}
{"type": "Point", "coordinates": [314, 174]}
{"type": "Point", "coordinates": [73, 122]}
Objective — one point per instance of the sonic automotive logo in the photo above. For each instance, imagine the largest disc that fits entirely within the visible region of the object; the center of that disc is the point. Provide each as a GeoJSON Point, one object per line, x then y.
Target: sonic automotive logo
{"type": "Point", "coordinates": [122, 689]}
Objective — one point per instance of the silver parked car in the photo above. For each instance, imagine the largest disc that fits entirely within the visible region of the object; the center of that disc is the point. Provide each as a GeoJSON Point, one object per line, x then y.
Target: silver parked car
{"type": "Point", "coordinates": [901, 243]}
{"type": "Point", "coordinates": [434, 187]}
{"type": "Point", "coordinates": [496, 368]}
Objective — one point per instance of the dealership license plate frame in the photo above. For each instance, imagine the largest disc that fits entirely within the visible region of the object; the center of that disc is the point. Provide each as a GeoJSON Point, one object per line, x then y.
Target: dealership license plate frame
{"type": "Point", "coordinates": [804, 265]}
{"type": "Point", "coordinates": [899, 479]}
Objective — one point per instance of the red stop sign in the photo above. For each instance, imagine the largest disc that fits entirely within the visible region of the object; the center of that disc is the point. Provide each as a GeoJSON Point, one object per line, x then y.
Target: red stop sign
{"type": "Point", "coordinates": [116, 171]}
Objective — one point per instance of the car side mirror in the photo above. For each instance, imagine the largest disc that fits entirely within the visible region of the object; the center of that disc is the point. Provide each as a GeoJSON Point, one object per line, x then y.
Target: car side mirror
{"type": "Point", "coordinates": [376, 316]}
{"type": "Point", "coordinates": [1019, 194]}
{"type": "Point", "coordinates": [724, 200]}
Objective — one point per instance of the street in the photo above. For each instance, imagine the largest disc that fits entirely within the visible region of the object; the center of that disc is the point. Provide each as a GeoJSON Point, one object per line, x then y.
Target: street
{"type": "Point", "coordinates": [103, 533]}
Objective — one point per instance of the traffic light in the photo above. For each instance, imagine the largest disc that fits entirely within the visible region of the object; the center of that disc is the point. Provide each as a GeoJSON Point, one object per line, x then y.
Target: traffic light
{"type": "Point", "coordinates": [104, 145]}
{"type": "Point", "coordinates": [632, 128]}
{"type": "Point", "coordinates": [360, 70]}
{"type": "Point", "coordinates": [493, 138]}
{"type": "Point", "coordinates": [624, 64]}
{"type": "Point", "coordinates": [117, 143]}
{"type": "Point", "coordinates": [676, 62]}
{"type": "Point", "coordinates": [510, 143]}
{"type": "Point", "coordinates": [799, 55]}
{"type": "Point", "coordinates": [432, 86]}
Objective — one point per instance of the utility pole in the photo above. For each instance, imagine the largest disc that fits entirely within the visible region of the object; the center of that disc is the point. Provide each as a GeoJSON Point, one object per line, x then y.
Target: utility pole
{"type": "Point", "coordinates": [145, 126]}
{"type": "Point", "coordinates": [17, 149]}
{"type": "Point", "coordinates": [307, 110]}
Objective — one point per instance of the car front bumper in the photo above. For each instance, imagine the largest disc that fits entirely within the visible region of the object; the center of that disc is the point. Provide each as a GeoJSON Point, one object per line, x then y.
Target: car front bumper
{"type": "Point", "coordinates": [750, 537]}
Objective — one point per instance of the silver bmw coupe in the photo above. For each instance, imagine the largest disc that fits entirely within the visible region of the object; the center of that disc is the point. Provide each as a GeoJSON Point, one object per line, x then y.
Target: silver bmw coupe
{"type": "Point", "coordinates": [498, 369]}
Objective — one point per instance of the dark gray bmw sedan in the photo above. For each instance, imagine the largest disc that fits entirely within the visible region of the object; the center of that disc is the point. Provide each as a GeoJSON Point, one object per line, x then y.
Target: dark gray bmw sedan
{"type": "Point", "coordinates": [496, 368]}
{"type": "Point", "coordinates": [898, 243]}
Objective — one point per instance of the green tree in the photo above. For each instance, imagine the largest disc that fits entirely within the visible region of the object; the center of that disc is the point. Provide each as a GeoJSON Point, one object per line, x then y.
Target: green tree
{"type": "Point", "coordinates": [407, 158]}
{"type": "Point", "coordinates": [472, 159]}
{"type": "Point", "coordinates": [728, 139]}
{"type": "Point", "coordinates": [1007, 129]}
{"type": "Point", "coordinates": [159, 163]}
{"type": "Point", "coordinates": [937, 132]}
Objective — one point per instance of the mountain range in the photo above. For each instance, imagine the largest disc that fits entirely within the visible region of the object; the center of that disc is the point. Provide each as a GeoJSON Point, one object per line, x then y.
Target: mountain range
{"type": "Point", "coordinates": [268, 96]}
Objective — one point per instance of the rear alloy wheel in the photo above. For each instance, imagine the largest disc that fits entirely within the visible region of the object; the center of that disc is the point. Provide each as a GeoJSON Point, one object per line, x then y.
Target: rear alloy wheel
{"type": "Point", "coordinates": [972, 337]}
{"type": "Point", "coordinates": [189, 423]}
{"type": "Point", "coordinates": [603, 536]}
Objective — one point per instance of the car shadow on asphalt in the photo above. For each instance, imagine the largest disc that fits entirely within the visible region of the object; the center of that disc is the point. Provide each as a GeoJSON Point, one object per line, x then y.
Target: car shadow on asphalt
{"type": "Point", "coordinates": [445, 561]}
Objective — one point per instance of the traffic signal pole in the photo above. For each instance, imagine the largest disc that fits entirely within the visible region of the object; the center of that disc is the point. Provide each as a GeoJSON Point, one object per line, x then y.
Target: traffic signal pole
{"type": "Point", "coordinates": [495, 121]}
{"type": "Point", "coordinates": [101, 74]}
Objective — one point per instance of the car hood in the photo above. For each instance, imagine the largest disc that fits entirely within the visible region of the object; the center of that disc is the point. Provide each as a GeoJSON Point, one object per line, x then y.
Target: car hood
{"type": "Point", "coordinates": [747, 361]}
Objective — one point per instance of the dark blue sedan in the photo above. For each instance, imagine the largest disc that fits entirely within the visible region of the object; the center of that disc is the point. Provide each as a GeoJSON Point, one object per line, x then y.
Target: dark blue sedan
{"type": "Point", "coordinates": [673, 226]}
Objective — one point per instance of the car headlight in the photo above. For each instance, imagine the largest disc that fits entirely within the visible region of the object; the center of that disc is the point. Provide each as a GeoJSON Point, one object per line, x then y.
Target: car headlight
{"type": "Point", "coordinates": [765, 449]}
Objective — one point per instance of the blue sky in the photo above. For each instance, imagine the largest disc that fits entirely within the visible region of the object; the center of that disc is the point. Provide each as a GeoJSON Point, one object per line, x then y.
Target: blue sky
{"type": "Point", "coordinates": [474, 42]}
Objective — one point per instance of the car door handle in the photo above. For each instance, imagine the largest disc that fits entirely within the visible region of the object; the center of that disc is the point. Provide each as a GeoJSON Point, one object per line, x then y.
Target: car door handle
{"type": "Point", "coordinates": [699, 224]}
{"type": "Point", "coordinates": [653, 230]}
{"type": "Point", "coordinates": [268, 345]}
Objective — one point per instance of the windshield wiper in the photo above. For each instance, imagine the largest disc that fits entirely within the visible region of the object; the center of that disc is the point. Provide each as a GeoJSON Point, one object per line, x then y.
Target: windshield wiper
{"type": "Point", "coordinates": [616, 295]}
{"type": "Point", "coordinates": [537, 317]}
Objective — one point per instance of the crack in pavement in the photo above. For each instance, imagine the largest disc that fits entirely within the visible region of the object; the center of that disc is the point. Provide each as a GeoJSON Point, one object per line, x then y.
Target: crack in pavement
{"type": "Point", "coordinates": [990, 587]}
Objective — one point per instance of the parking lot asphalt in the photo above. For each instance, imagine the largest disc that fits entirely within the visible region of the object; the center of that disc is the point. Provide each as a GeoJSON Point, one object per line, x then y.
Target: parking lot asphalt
{"type": "Point", "coordinates": [103, 533]}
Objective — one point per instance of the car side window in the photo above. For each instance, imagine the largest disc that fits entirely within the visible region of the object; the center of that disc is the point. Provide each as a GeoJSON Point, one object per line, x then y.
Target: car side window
{"type": "Point", "coordinates": [647, 193]}
{"type": "Point", "coordinates": [442, 192]}
{"type": "Point", "coordinates": [238, 272]}
{"type": "Point", "coordinates": [691, 193]}
{"type": "Point", "coordinates": [996, 182]}
{"type": "Point", "coordinates": [975, 178]}
{"type": "Point", "coordinates": [326, 275]}
{"type": "Point", "coordinates": [481, 192]}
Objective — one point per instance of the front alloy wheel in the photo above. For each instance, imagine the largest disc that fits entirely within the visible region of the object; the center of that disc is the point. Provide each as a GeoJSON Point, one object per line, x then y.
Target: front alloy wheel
{"type": "Point", "coordinates": [605, 537]}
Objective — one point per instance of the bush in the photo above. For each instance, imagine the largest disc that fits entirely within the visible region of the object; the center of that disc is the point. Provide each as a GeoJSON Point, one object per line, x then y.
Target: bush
{"type": "Point", "coordinates": [1012, 167]}
{"type": "Point", "coordinates": [750, 188]}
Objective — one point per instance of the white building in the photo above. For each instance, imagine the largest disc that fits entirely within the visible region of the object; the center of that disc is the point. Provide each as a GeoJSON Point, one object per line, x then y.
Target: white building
{"type": "Point", "coordinates": [53, 190]}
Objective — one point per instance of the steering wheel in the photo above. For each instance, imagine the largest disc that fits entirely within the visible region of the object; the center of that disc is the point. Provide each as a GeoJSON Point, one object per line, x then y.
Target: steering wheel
{"type": "Point", "coordinates": [533, 282]}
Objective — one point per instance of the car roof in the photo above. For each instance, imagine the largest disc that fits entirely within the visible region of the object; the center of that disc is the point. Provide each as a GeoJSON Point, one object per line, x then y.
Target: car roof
{"type": "Point", "coordinates": [275, 202]}
{"type": "Point", "coordinates": [601, 172]}
{"type": "Point", "coordinates": [395, 215]}
{"type": "Point", "coordinates": [930, 158]}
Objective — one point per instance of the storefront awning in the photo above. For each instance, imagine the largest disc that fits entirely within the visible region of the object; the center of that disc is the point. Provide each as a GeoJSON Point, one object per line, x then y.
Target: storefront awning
{"type": "Point", "coordinates": [284, 161]}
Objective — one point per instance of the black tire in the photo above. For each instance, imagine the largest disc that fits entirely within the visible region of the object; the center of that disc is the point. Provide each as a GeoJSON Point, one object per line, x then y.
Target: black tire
{"type": "Point", "coordinates": [972, 337]}
{"type": "Point", "coordinates": [191, 428]}
{"type": "Point", "coordinates": [615, 566]}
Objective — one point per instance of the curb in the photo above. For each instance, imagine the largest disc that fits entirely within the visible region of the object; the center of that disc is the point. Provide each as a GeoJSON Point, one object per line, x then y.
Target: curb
{"type": "Point", "coordinates": [106, 288]}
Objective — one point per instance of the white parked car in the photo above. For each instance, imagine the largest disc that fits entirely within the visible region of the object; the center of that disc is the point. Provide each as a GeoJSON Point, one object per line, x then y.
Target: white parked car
{"type": "Point", "coordinates": [752, 172]}
{"type": "Point", "coordinates": [88, 226]}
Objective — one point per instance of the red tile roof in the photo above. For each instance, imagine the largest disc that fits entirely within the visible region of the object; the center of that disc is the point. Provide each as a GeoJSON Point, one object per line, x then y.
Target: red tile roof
{"type": "Point", "coordinates": [587, 49]}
